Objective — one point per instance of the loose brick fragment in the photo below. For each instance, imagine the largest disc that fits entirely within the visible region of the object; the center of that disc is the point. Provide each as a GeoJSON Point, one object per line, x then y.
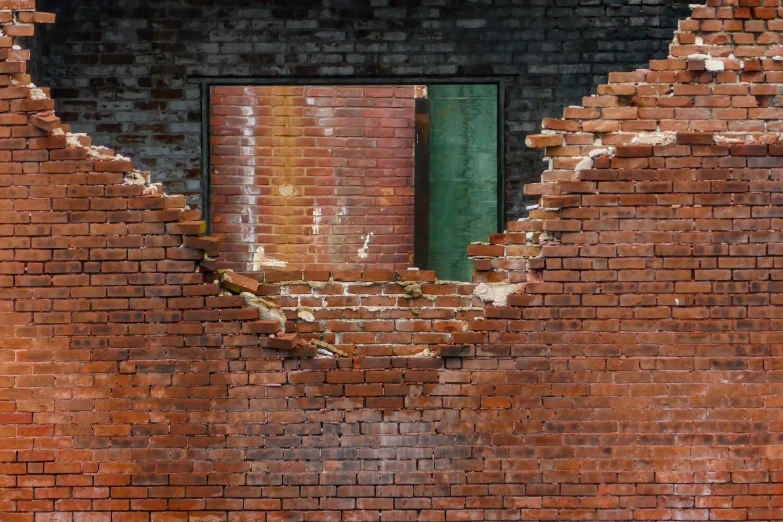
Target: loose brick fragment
{"type": "Point", "coordinates": [261, 327]}
{"type": "Point", "coordinates": [187, 228]}
{"type": "Point", "coordinates": [538, 141]}
{"type": "Point", "coordinates": [209, 244]}
{"type": "Point", "coordinates": [555, 202]}
{"type": "Point", "coordinates": [30, 17]}
{"type": "Point", "coordinates": [281, 342]}
{"type": "Point", "coordinates": [238, 283]}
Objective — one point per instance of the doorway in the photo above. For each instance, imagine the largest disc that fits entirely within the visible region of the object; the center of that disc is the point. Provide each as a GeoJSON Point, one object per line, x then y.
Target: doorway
{"type": "Point", "coordinates": [457, 175]}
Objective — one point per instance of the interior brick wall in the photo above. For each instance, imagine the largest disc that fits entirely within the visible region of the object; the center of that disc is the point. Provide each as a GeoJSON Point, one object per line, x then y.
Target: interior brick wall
{"type": "Point", "coordinates": [317, 177]}
{"type": "Point", "coordinates": [378, 313]}
{"type": "Point", "coordinates": [623, 363]}
{"type": "Point", "coordinates": [120, 69]}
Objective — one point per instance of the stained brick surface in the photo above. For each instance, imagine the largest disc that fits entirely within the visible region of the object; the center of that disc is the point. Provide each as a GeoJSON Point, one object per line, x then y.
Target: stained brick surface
{"type": "Point", "coordinates": [317, 177]}
{"type": "Point", "coordinates": [633, 371]}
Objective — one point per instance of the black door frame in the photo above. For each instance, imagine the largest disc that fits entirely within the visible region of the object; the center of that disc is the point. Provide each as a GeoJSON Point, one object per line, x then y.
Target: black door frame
{"type": "Point", "coordinates": [206, 82]}
{"type": "Point", "coordinates": [421, 186]}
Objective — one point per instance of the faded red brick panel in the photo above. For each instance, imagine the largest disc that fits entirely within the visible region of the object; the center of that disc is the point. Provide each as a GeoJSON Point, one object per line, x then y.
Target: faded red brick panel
{"type": "Point", "coordinates": [317, 177]}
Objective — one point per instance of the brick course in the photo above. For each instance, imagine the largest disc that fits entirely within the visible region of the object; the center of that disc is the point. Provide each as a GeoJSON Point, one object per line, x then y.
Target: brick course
{"type": "Point", "coordinates": [632, 374]}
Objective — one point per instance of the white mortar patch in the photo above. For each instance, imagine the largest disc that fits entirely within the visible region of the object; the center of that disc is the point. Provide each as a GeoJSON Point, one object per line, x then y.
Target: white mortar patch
{"type": "Point", "coordinates": [317, 213]}
{"type": "Point", "coordinates": [260, 261]}
{"type": "Point", "coordinates": [496, 293]}
{"type": "Point", "coordinates": [364, 251]}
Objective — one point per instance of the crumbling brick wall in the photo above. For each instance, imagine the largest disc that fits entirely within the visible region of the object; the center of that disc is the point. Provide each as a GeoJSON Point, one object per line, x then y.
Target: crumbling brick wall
{"type": "Point", "coordinates": [119, 69]}
{"type": "Point", "coordinates": [627, 369]}
{"type": "Point", "coordinates": [375, 313]}
{"type": "Point", "coordinates": [313, 177]}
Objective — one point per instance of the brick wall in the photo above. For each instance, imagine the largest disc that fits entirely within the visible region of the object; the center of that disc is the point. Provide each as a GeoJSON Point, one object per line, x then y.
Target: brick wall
{"type": "Point", "coordinates": [377, 313]}
{"type": "Point", "coordinates": [628, 368]}
{"type": "Point", "coordinates": [313, 177]}
{"type": "Point", "coordinates": [119, 69]}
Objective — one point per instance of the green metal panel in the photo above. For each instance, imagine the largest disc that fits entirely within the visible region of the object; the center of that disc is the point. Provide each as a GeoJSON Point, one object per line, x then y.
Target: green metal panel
{"type": "Point", "coordinates": [463, 205]}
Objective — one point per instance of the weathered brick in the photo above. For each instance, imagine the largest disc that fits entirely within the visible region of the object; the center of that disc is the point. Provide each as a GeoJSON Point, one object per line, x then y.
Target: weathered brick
{"type": "Point", "coordinates": [629, 336]}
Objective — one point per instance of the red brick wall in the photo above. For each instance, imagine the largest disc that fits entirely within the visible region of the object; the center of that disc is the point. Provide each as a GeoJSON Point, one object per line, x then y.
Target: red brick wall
{"type": "Point", "coordinates": [633, 373]}
{"type": "Point", "coordinates": [377, 313]}
{"type": "Point", "coordinates": [316, 177]}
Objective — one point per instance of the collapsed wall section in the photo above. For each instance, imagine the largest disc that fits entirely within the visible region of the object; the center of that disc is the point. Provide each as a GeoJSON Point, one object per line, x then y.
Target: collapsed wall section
{"type": "Point", "coordinates": [378, 313]}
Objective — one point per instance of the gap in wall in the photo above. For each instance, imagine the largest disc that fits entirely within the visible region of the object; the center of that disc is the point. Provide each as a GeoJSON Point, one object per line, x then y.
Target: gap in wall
{"type": "Point", "coordinates": [323, 177]}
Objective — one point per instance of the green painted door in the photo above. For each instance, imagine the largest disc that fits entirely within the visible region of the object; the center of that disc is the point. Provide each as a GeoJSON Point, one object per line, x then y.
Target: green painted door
{"type": "Point", "coordinates": [463, 188]}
